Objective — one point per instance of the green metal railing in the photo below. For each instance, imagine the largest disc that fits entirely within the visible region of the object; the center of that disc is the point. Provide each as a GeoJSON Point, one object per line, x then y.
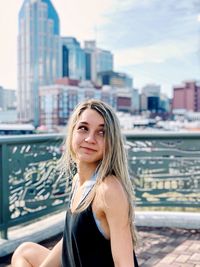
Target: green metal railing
{"type": "Point", "coordinates": [31, 185]}
{"type": "Point", "coordinates": [164, 168]}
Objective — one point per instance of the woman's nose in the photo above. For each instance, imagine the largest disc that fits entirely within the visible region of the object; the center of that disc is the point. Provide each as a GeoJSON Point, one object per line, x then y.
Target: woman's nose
{"type": "Point", "coordinates": [90, 138]}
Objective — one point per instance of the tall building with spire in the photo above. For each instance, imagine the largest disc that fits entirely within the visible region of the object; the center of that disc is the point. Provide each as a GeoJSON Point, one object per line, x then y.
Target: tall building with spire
{"type": "Point", "coordinates": [97, 60]}
{"type": "Point", "coordinates": [39, 55]}
{"type": "Point", "coordinates": [73, 59]}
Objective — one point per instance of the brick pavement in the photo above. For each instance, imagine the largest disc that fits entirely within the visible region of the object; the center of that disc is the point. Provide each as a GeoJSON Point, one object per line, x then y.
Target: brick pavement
{"type": "Point", "coordinates": [185, 255]}
{"type": "Point", "coordinates": [157, 247]}
{"type": "Point", "coordinates": [168, 247]}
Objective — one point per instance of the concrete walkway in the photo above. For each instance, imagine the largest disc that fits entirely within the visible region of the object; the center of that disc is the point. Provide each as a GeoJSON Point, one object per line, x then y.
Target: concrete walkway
{"type": "Point", "coordinates": [36, 232]}
{"type": "Point", "coordinates": [157, 246]}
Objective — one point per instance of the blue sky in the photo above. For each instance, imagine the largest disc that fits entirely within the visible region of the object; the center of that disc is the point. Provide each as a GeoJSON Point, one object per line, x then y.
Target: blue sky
{"type": "Point", "coordinates": [153, 41]}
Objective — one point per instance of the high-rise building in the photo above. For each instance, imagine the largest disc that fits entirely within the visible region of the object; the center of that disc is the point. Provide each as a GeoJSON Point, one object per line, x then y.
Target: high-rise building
{"type": "Point", "coordinates": [187, 96]}
{"type": "Point", "coordinates": [90, 60]}
{"type": "Point", "coordinates": [164, 103]}
{"type": "Point", "coordinates": [150, 98]}
{"type": "Point", "coordinates": [104, 60]}
{"type": "Point", "coordinates": [135, 101]}
{"type": "Point", "coordinates": [97, 60]}
{"type": "Point", "coordinates": [57, 101]}
{"type": "Point", "coordinates": [151, 90]}
{"type": "Point", "coordinates": [7, 105]}
{"type": "Point", "coordinates": [115, 79]}
{"type": "Point", "coordinates": [7, 99]}
{"type": "Point", "coordinates": [39, 55]}
{"type": "Point", "coordinates": [73, 59]}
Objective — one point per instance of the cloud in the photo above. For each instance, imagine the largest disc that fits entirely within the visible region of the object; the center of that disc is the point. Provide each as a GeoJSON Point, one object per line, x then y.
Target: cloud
{"type": "Point", "coordinates": [82, 18]}
{"type": "Point", "coordinates": [142, 34]}
{"type": "Point", "coordinates": [138, 23]}
{"type": "Point", "coordinates": [156, 53]}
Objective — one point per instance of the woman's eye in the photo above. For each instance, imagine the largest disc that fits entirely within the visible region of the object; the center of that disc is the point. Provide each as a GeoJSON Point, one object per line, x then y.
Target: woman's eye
{"type": "Point", "coordinates": [82, 128]}
{"type": "Point", "coordinates": [101, 132]}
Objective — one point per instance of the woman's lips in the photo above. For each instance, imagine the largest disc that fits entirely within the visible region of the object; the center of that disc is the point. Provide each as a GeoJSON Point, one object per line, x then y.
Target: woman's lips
{"type": "Point", "coordinates": [88, 149]}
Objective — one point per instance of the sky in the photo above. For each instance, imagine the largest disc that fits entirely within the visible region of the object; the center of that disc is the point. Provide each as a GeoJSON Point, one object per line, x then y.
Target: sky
{"type": "Point", "coordinates": [153, 41]}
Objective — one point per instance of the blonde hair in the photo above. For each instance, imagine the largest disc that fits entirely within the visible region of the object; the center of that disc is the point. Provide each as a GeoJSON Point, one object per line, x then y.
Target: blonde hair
{"type": "Point", "coordinates": [114, 160]}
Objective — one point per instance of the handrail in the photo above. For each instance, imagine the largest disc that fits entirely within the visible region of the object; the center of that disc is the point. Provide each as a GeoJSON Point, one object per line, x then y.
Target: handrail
{"type": "Point", "coordinates": [164, 168]}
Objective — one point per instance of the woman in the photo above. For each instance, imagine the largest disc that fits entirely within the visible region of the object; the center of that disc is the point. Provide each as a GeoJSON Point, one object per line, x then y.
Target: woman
{"type": "Point", "coordinates": [99, 227]}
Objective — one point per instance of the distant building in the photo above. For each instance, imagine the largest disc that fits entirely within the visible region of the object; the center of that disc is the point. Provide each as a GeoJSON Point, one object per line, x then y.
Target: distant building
{"type": "Point", "coordinates": [127, 100]}
{"type": "Point", "coordinates": [151, 90]}
{"type": "Point", "coordinates": [164, 103]}
{"type": "Point", "coordinates": [135, 101]}
{"type": "Point", "coordinates": [150, 98]}
{"type": "Point", "coordinates": [45, 57]}
{"type": "Point", "coordinates": [73, 59]}
{"type": "Point", "coordinates": [8, 107]}
{"type": "Point", "coordinates": [39, 55]}
{"type": "Point", "coordinates": [123, 103]}
{"type": "Point", "coordinates": [187, 96]}
{"type": "Point", "coordinates": [57, 101]}
{"type": "Point", "coordinates": [115, 79]}
{"type": "Point", "coordinates": [8, 116]}
{"type": "Point", "coordinates": [67, 81]}
{"type": "Point", "coordinates": [97, 60]}
{"type": "Point", "coordinates": [192, 116]}
{"type": "Point", "coordinates": [7, 99]}
{"type": "Point", "coordinates": [16, 128]}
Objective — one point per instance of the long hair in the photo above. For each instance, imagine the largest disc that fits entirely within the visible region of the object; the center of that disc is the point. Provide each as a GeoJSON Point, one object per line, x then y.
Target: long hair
{"type": "Point", "coordinates": [114, 161]}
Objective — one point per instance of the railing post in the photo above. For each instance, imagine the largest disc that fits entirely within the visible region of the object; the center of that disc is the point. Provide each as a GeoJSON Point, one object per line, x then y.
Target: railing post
{"type": "Point", "coordinates": [4, 191]}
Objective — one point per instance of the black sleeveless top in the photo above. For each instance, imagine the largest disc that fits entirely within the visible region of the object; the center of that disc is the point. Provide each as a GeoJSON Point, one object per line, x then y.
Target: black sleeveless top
{"type": "Point", "coordinates": [83, 243]}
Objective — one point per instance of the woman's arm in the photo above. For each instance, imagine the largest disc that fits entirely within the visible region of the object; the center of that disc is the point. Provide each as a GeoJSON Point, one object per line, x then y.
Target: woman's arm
{"type": "Point", "coordinates": [54, 257]}
{"type": "Point", "coordinates": [116, 210]}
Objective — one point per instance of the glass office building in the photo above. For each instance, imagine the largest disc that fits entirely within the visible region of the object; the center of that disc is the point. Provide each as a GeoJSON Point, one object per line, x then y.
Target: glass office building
{"type": "Point", "coordinates": [39, 55]}
{"type": "Point", "coordinates": [57, 102]}
{"type": "Point", "coordinates": [73, 59]}
{"type": "Point", "coordinates": [97, 60]}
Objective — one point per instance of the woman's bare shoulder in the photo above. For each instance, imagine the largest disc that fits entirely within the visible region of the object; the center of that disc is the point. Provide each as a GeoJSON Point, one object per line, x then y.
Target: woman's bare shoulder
{"type": "Point", "coordinates": [111, 190]}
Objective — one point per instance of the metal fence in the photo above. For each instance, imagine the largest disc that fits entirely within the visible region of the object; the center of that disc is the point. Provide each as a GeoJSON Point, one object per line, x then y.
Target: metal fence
{"type": "Point", "coordinates": [164, 168]}
{"type": "Point", "coordinates": [30, 182]}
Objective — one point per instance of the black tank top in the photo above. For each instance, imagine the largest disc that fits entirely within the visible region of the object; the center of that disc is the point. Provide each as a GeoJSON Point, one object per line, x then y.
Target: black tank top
{"type": "Point", "coordinates": [83, 243]}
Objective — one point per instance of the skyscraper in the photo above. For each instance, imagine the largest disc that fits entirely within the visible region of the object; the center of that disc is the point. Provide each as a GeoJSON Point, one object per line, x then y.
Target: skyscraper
{"type": "Point", "coordinates": [39, 55]}
{"type": "Point", "coordinates": [115, 79]}
{"type": "Point", "coordinates": [187, 96]}
{"type": "Point", "coordinates": [97, 60]}
{"type": "Point", "coordinates": [73, 59]}
{"type": "Point", "coordinates": [150, 97]}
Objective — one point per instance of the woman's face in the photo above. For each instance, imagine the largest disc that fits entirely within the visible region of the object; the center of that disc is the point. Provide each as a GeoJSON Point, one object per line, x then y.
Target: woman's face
{"type": "Point", "coordinates": [88, 141]}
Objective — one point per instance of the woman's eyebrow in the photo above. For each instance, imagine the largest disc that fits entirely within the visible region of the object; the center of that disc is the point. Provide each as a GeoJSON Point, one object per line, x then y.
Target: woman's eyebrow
{"type": "Point", "coordinates": [83, 122]}
{"type": "Point", "coordinates": [86, 123]}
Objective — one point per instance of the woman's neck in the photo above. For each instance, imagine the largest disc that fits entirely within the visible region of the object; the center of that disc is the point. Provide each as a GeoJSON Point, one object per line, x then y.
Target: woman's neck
{"type": "Point", "coordinates": [85, 171]}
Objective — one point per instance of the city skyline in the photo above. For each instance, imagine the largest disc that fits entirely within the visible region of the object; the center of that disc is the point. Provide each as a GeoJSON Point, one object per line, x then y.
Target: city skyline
{"type": "Point", "coordinates": [151, 47]}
